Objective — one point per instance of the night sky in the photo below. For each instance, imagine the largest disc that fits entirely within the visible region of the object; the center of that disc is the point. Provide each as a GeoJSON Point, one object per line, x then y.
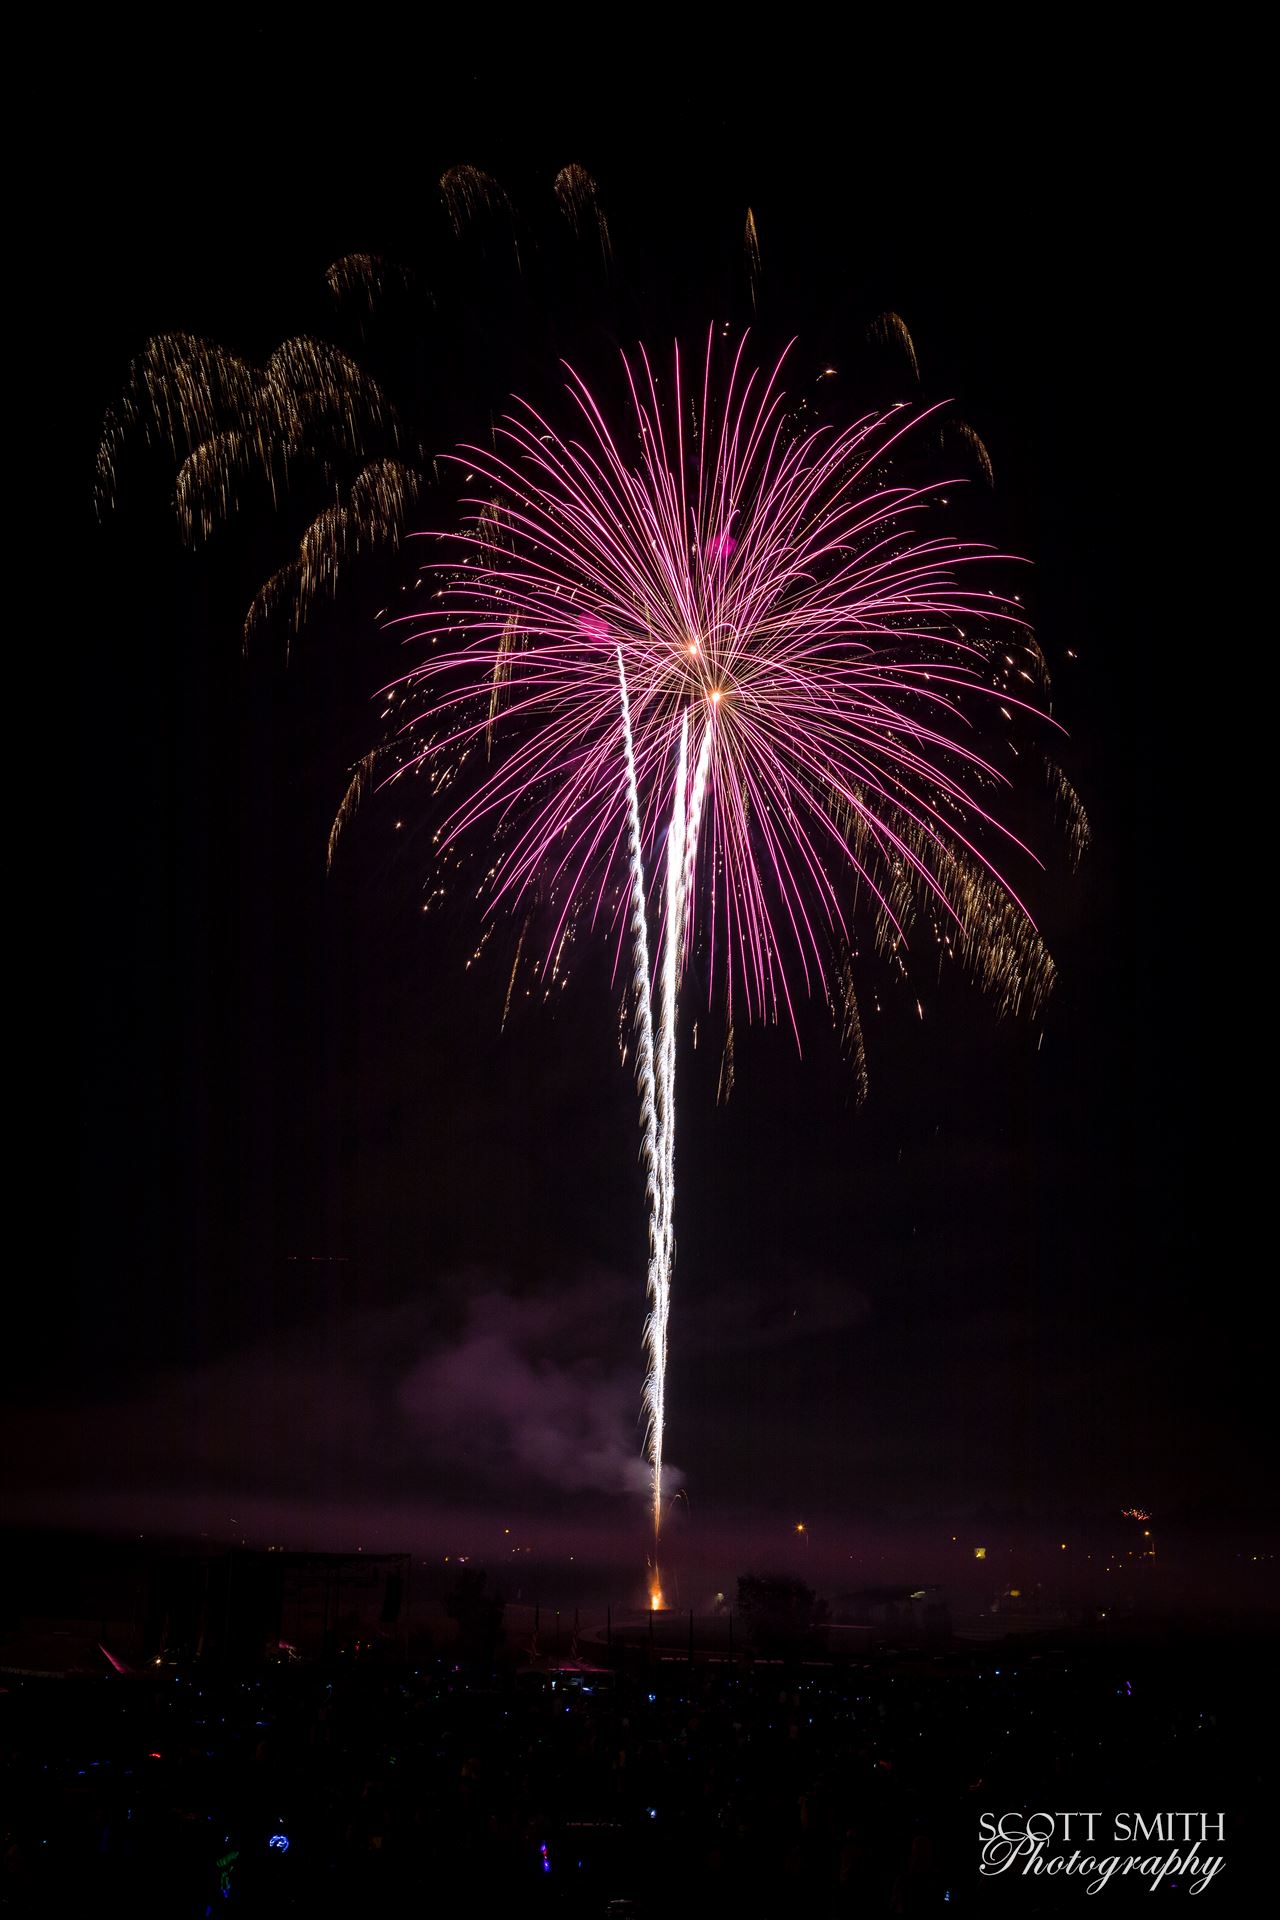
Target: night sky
{"type": "Point", "coordinates": [356, 1265]}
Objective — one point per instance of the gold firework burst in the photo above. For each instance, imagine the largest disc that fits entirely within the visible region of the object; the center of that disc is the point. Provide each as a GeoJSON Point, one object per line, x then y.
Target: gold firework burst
{"type": "Point", "coordinates": [579, 201]}
{"type": "Point", "coordinates": [240, 431]}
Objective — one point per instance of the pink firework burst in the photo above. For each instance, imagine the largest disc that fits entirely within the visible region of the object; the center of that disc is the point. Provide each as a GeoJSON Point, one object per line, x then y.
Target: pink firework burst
{"type": "Point", "coordinates": [834, 661]}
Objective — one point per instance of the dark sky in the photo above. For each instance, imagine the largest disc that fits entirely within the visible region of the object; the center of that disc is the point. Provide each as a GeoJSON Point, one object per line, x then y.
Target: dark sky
{"type": "Point", "coordinates": [348, 1247]}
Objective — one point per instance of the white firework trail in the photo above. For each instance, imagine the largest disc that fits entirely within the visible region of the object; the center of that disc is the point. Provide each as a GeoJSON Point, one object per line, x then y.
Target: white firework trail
{"type": "Point", "coordinates": [650, 1116]}
{"type": "Point", "coordinates": [682, 849]}
{"type": "Point", "coordinates": [656, 1060]}
{"type": "Point", "coordinates": [670, 986]}
{"type": "Point", "coordinates": [697, 797]}
{"type": "Point", "coordinates": [656, 1057]}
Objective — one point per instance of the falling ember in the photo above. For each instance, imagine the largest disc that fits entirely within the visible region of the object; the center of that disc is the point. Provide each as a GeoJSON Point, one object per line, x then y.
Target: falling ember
{"type": "Point", "coordinates": [351, 799]}
{"type": "Point", "coordinates": [751, 253]}
{"type": "Point", "coordinates": [891, 330]}
{"type": "Point", "coordinates": [474, 201]}
{"type": "Point", "coordinates": [962, 431]}
{"type": "Point", "coordinates": [579, 201]}
{"type": "Point", "coordinates": [364, 279]}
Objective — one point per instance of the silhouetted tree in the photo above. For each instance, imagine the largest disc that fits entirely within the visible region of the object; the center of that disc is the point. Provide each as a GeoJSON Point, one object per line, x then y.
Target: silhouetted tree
{"type": "Point", "coordinates": [478, 1614]}
{"type": "Point", "coordinates": [780, 1613]}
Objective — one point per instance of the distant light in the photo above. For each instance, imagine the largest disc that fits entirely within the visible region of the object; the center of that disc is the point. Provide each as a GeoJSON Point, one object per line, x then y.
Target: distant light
{"type": "Point", "coordinates": [979, 1553]}
{"type": "Point", "coordinates": [279, 1842]}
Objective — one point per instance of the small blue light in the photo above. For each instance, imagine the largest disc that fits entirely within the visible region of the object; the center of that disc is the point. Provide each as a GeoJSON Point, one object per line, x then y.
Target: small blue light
{"type": "Point", "coordinates": [279, 1842]}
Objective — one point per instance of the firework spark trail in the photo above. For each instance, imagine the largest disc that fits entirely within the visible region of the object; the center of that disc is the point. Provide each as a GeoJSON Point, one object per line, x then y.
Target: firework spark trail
{"type": "Point", "coordinates": [650, 1122]}
{"type": "Point", "coordinates": [656, 1062]}
{"type": "Point", "coordinates": [682, 853]}
{"type": "Point", "coordinates": [660, 1308]}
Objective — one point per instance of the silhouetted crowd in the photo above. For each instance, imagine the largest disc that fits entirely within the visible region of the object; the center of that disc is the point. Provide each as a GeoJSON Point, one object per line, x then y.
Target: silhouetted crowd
{"type": "Point", "coordinates": [665, 1788]}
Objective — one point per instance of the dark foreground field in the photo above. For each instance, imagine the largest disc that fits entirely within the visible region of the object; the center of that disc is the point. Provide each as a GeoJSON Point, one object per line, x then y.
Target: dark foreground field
{"type": "Point", "coordinates": [735, 1788]}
